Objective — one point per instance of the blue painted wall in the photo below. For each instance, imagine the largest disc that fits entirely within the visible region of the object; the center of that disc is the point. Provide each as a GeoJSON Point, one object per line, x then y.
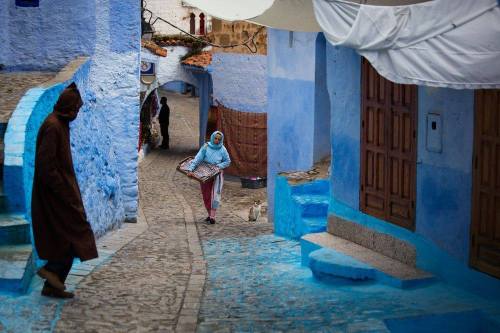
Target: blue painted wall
{"type": "Point", "coordinates": [104, 137]}
{"type": "Point", "coordinates": [20, 144]}
{"type": "Point", "coordinates": [240, 81]}
{"type": "Point", "coordinates": [175, 86]}
{"type": "Point", "coordinates": [344, 76]}
{"type": "Point", "coordinates": [322, 120]}
{"type": "Point", "coordinates": [290, 112]}
{"type": "Point", "coordinates": [205, 88]}
{"type": "Point", "coordinates": [46, 37]}
{"type": "Point", "coordinates": [444, 180]}
{"type": "Point", "coordinates": [4, 31]}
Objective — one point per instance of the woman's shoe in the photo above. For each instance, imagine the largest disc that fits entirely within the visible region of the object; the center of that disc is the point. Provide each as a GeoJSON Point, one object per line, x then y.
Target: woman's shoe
{"type": "Point", "coordinates": [212, 221]}
{"type": "Point", "coordinates": [207, 219]}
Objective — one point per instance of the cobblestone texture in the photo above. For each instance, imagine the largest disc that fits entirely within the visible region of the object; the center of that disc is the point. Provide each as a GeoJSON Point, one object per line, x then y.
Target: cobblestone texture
{"type": "Point", "coordinates": [256, 284]}
{"type": "Point", "coordinates": [13, 85]}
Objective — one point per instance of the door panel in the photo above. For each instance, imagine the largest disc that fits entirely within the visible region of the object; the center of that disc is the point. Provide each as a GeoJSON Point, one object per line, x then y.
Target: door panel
{"type": "Point", "coordinates": [485, 227]}
{"type": "Point", "coordinates": [388, 148]}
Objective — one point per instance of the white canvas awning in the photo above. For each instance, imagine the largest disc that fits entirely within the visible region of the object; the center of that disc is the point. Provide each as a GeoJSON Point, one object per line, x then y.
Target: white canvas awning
{"type": "Point", "coordinates": [444, 43]}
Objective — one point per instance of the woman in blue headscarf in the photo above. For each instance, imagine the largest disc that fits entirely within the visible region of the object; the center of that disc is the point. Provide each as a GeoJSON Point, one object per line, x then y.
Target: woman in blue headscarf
{"type": "Point", "coordinates": [212, 152]}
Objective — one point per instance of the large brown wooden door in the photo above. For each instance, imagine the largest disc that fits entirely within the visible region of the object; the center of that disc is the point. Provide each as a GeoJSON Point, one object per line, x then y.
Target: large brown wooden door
{"type": "Point", "coordinates": [388, 148]}
{"type": "Point", "coordinates": [485, 228]}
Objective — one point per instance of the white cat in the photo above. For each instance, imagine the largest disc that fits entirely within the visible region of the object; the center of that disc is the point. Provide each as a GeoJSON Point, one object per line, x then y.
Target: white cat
{"type": "Point", "coordinates": [254, 213]}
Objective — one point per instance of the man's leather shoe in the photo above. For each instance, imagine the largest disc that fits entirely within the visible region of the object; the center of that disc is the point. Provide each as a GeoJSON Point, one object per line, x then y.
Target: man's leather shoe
{"type": "Point", "coordinates": [53, 292]}
{"type": "Point", "coordinates": [51, 278]}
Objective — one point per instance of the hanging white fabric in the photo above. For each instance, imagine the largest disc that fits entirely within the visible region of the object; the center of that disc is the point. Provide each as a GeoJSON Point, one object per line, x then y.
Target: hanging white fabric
{"type": "Point", "coordinates": [444, 43]}
{"type": "Point", "coordinates": [294, 15]}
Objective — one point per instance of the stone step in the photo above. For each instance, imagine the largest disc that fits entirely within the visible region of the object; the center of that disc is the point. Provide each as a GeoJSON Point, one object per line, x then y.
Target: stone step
{"type": "Point", "coordinates": [325, 263]}
{"type": "Point", "coordinates": [313, 225]}
{"type": "Point", "coordinates": [14, 229]}
{"type": "Point", "coordinates": [387, 270]}
{"type": "Point", "coordinates": [312, 204]}
{"type": "Point", "coordinates": [16, 267]}
{"type": "Point", "coordinates": [382, 243]}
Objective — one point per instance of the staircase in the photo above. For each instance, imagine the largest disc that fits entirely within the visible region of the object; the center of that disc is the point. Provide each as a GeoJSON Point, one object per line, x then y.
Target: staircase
{"type": "Point", "coordinates": [312, 211]}
{"type": "Point", "coordinates": [16, 260]}
{"type": "Point", "coordinates": [303, 209]}
{"type": "Point", "coordinates": [354, 252]}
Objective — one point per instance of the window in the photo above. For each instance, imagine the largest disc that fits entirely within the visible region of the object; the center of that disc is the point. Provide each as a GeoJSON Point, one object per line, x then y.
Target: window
{"type": "Point", "coordinates": [192, 23]}
{"type": "Point", "coordinates": [202, 24]}
{"type": "Point", "coordinates": [27, 3]}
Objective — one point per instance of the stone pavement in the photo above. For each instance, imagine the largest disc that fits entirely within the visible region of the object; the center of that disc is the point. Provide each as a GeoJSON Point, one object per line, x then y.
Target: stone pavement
{"type": "Point", "coordinates": [171, 272]}
{"type": "Point", "coordinates": [150, 275]}
{"type": "Point", "coordinates": [13, 85]}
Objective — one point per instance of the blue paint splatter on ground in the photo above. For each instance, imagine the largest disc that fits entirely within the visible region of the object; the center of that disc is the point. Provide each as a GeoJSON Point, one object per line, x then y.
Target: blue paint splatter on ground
{"type": "Point", "coordinates": [258, 285]}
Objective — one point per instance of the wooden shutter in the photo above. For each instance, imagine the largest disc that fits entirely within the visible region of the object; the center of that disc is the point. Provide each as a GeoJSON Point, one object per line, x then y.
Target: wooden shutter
{"type": "Point", "coordinates": [485, 228]}
{"type": "Point", "coordinates": [388, 148]}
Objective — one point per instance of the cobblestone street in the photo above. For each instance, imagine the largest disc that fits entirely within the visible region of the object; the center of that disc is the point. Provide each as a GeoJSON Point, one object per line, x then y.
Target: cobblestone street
{"type": "Point", "coordinates": [155, 282]}
{"type": "Point", "coordinates": [172, 272]}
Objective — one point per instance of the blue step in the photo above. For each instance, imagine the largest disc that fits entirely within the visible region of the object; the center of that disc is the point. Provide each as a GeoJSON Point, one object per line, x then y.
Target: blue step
{"type": "Point", "coordinates": [14, 229]}
{"type": "Point", "coordinates": [312, 204]}
{"type": "Point", "coordinates": [313, 224]}
{"type": "Point", "coordinates": [342, 258]}
{"type": "Point", "coordinates": [321, 186]}
{"type": "Point", "coordinates": [16, 267]}
{"type": "Point", "coordinates": [325, 263]}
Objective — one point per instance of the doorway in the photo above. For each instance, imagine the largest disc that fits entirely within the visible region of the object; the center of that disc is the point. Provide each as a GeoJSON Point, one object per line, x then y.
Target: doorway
{"type": "Point", "coordinates": [388, 148]}
{"type": "Point", "coordinates": [485, 227]}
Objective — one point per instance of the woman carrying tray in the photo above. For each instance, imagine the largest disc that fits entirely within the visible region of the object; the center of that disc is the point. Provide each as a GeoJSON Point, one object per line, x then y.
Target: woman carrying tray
{"type": "Point", "coordinates": [212, 152]}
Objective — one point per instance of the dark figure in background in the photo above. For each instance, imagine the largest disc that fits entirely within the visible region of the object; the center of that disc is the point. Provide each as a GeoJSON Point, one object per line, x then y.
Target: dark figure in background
{"type": "Point", "coordinates": [60, 227]}
{"type": "Point", "coordinates": [164, 119]}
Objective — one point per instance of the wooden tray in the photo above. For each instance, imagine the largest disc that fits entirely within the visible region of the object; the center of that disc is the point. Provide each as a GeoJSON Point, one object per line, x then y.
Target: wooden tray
{"type": "Point", "coordinates": [203, 172]}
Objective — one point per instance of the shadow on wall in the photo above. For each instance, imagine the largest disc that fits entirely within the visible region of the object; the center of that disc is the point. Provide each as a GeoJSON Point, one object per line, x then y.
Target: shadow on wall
{"type": "Point", "coordinates": [181, 87]}
{"type": "Point", "coordinates": [322, 118]}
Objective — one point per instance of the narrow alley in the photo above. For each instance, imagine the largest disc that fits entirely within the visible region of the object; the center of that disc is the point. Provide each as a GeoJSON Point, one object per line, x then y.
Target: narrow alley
{"type": "Point", "coordinates": [156, 281]}
{"type": "Point", "coordinates": [360, 149]}
{"type": "Point", "coordinates": [173, 272]}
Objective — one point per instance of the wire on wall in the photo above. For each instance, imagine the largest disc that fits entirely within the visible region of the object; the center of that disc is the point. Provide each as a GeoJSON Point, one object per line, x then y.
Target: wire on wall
{"type": "Point", "coordinates": [249, 43]}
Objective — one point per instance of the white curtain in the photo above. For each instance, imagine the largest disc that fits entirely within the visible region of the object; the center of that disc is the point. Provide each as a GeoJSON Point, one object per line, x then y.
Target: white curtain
{"type": "Point", "coordinates": [445, 43]}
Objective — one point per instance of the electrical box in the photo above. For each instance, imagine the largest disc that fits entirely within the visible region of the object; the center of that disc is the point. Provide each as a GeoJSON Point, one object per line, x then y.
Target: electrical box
{"type": "Point", "coordinates": [434, 135]}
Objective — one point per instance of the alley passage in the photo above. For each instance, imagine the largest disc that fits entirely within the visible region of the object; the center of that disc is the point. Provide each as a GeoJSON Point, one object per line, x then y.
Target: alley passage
{"type": "Point", "coordinates": [155, 282]}
{"type": "Point", "coordinates": [172, 272]}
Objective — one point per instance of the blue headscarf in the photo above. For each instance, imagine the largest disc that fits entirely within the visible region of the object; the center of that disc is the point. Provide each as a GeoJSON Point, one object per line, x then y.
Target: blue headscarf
{"type": "Point", "coordinates": [212, 144]}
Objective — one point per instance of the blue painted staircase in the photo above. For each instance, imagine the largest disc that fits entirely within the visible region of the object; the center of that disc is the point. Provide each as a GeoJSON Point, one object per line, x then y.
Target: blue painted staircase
{"type": "Point", "coordinates": [16, 253]}
{"type": "Point", "coordinates": [312, 212]}
{"type": "Point", "coordinates": [301, 208]}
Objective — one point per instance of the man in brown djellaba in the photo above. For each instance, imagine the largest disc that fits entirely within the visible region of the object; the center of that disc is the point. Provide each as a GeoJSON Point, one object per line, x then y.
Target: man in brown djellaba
{"type": "Point", "coordinates": [60, 227]}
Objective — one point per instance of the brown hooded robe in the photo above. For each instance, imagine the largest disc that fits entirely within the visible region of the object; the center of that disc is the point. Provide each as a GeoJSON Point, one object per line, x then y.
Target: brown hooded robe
{"type": "Point", "coordinates": [60, 224]}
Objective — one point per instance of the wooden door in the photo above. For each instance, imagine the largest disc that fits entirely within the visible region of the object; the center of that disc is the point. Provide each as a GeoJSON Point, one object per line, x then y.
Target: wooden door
{"type": "Point", "coordinates": [388, 148]}
{"type": "Point", "coordinates": [485, 228]}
